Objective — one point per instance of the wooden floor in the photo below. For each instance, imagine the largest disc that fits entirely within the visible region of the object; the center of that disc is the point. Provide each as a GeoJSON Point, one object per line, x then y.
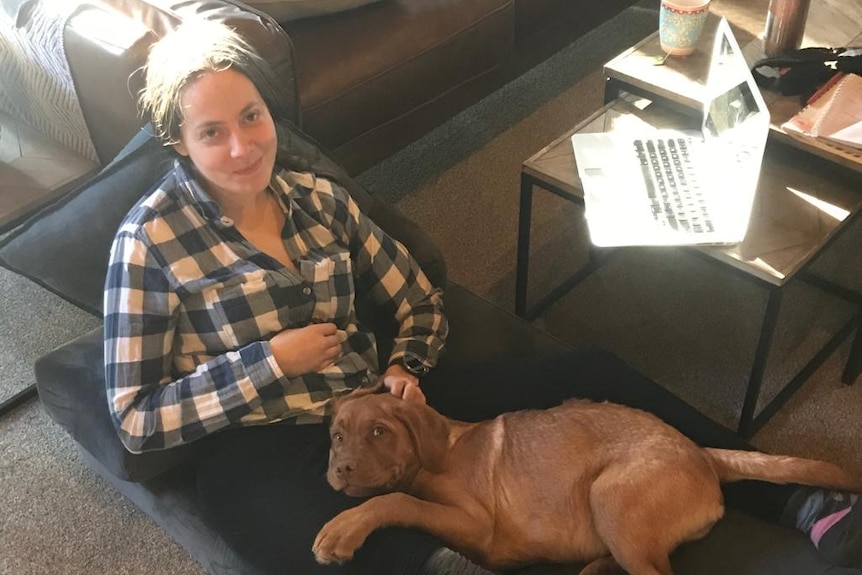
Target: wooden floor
{"type": "Point", "coordinates": [33, 170]}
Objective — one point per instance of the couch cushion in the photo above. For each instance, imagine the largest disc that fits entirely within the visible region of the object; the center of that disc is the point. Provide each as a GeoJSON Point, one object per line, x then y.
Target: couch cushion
{"type": "Point", "coordinates": [286, 10]}
{"type": "Point", "coordinates": [71, 384]}
{"type": "Point", "coordinates": [64, 247]}
{"type": "Point", "coordinates": [359, 70]}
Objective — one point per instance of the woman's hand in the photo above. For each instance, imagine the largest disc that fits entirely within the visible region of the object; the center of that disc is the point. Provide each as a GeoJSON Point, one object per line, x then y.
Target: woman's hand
{"type": "Point", "coordinates": [401, 383]}
{"type": "Point", "coordinates": [306, 349]}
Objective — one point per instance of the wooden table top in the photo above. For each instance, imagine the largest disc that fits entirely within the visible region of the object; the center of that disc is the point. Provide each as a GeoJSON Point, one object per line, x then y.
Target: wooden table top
{"type": "Point", "coordinates": [802, 200]}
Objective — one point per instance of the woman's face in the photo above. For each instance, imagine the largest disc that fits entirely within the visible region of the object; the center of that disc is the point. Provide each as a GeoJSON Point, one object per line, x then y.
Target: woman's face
{"type": "Point", "coordinates": [228, 134]}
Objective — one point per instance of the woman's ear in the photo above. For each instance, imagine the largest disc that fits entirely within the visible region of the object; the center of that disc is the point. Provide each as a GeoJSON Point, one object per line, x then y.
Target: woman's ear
{"type": "Point", "coordinates": [180, 148]}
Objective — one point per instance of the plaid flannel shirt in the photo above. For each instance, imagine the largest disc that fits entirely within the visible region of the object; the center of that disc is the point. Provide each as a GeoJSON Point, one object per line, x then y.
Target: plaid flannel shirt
{"type": "Point", "coordinates": [190, 306]}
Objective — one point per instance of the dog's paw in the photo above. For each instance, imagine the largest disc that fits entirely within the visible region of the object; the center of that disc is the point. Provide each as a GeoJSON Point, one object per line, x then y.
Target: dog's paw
{"type": "Point", "coordinates": [339, 539]}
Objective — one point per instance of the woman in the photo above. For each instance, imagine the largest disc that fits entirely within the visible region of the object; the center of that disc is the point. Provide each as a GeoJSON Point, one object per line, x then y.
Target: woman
{"type": "Point", "coordinates": [229, 315]}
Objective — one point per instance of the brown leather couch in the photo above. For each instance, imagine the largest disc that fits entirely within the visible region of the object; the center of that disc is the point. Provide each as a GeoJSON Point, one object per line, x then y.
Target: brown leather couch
{"type": "Point", "coordinates": [364, 82]}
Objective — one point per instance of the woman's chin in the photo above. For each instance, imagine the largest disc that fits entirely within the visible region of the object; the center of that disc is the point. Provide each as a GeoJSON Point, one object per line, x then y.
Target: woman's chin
{"type": "Point", "coordinates": [257, 176]}
{"type": "Point", "coordinates": [252, 183]}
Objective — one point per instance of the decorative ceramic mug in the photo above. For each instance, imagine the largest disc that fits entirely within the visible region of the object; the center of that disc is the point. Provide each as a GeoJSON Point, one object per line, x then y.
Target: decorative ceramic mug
{"type": "Point", "coordinates": [680, 24]}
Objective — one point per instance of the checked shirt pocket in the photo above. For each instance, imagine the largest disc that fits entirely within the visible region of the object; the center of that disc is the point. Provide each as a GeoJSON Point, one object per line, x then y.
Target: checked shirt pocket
{"type": "Point", "coordinates": [331, 278]}
{"type": "Point", "coordinates": [246, 310]}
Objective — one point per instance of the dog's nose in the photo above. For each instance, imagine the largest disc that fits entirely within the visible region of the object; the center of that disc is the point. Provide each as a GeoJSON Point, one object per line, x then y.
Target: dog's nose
{"type": "Point", "coordinates": [344, 469]}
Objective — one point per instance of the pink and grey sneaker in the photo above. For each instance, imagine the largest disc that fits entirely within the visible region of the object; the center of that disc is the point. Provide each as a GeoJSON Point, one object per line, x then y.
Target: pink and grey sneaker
{"type": "Point", "coordinates": [833, 521]}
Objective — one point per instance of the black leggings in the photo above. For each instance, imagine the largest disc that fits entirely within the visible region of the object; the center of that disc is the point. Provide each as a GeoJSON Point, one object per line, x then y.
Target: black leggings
{"type": "Point", "coordinates": [265, 487]}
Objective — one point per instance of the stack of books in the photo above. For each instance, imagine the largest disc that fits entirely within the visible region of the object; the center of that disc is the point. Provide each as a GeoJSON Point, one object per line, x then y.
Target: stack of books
{"type": "Point", "coordinates": [832, 117]}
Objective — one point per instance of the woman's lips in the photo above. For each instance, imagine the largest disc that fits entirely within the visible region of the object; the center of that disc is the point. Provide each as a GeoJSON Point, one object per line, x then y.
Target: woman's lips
{"type": "Point", "coordinates": [250, 169]}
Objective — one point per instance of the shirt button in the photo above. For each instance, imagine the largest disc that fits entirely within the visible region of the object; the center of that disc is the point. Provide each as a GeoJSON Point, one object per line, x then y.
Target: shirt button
{"type": "Point", "coordinates": [226, 221]}
{"type": "Point", "coordinates": [306, 290]}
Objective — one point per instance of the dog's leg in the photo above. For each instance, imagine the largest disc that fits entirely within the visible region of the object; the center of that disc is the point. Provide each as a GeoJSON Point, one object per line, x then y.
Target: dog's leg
{"type": "Point", "coordinates": [603, 566]}
{"type": "Point", "coordinates": [634, 557]}
{"type": "Point", "coordinates": [339, 539]}
{"type": "Point", "coordinates": [642, 521]}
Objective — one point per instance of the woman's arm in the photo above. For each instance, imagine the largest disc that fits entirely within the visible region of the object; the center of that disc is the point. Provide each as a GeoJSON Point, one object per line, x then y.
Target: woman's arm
{"type": "Point", "coordinates": [384, 269]}
{"type": "Point", "coordinates": [153, 409]}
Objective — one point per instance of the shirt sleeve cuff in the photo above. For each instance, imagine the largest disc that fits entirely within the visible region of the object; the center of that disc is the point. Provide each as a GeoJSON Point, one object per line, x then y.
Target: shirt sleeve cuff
{"type": "Point", "coordinates": [260, 365]}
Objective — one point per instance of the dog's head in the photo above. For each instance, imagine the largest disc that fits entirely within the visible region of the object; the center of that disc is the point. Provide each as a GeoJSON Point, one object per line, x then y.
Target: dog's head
{"type": "Point", "coordinates": [380, 442]}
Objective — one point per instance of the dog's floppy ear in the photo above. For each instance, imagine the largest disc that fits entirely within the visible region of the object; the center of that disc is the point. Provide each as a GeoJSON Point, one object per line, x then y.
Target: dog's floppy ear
{"type": "Point", "coordinates": [429, 431]}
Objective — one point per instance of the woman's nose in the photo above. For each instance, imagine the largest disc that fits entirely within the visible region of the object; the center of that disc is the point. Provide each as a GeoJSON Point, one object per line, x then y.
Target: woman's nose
{"type": "Point", "coordinates": [239, 144]}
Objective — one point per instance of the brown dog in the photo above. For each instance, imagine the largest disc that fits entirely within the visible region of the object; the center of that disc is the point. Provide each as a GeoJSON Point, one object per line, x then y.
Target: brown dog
{"type": "Point", "coordinates": [580, 482]}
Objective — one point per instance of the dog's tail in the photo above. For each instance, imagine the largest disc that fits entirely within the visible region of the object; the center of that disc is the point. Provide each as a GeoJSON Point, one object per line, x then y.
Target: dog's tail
{"type": "Point", "coordinates": [733, 465]}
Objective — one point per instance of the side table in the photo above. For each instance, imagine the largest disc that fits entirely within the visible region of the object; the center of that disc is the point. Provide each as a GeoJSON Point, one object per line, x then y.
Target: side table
{"type": "Point", "coordinates": [803, 205]}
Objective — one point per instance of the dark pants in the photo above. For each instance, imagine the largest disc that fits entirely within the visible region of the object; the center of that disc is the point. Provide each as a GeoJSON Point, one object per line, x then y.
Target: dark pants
{"type": "Point", "coordinates": [266, 489]}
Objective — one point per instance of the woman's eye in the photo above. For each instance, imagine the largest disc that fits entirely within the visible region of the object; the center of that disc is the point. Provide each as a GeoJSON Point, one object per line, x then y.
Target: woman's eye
{"type": "Point", "coordinates": [378, 431]}
{"type": "Point", "coordinates": [252, 116]}
{"type": "Point", "coordinates": [337, 437]}
{"type": "Point", "coordinates": [209, 134]}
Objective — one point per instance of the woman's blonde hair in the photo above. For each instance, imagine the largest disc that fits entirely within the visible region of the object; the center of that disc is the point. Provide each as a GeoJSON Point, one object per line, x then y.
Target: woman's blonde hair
{"type": "Point", "coordinates": [181, 56]}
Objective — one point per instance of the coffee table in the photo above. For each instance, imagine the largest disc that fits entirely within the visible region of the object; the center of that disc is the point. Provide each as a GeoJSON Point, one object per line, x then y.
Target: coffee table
{"type": "Point", "coordinates": [804, 203]}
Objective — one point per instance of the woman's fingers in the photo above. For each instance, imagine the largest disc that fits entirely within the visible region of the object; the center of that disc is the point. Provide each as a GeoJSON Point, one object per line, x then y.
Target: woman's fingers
{"type": "Point", "coordinates": [413, 392]}
{"type": "Point", "coordinates": [402, 384]}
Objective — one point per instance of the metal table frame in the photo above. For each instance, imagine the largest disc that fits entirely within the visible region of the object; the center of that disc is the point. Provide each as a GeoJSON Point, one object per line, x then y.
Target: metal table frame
{"type": "Point", "coordinates": [749, 421]}
{"type": "Point", "coordinates": [17, 399]}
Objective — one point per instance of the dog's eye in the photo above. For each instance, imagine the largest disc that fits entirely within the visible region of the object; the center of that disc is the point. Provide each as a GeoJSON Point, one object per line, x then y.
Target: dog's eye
{"type": "Point", "coordinates": [378, 431]}
{"type": "Point", "coordinates": [337, 437]}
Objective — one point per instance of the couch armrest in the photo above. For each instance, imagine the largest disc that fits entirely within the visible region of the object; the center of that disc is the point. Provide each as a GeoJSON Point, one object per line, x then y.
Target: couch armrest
{"type": "Point", "coordinates": [105, 65]}
{"type": "Point", "coordinates": [71, 384]}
